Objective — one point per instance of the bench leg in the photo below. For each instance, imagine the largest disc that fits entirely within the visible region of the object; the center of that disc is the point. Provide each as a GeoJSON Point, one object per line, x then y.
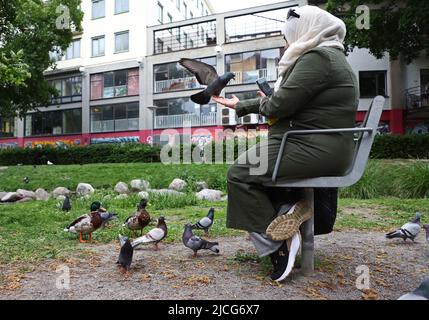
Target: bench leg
{"type": "Point", "coordinates": [307, 231]}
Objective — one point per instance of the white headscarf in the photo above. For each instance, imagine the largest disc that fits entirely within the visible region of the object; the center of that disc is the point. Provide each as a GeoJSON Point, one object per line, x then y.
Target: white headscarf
{"type": "Point", "coordinates": [314, 28]}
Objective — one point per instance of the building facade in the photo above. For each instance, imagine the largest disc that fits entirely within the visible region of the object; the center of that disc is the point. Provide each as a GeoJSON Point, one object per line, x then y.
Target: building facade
{"type": "Point", "coordinates": [120, 80]}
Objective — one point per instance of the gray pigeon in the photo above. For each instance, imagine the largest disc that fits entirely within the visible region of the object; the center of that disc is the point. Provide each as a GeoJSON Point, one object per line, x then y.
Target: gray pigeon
{"type": "Point", "coordinates": [206, 75]}
{"type": "Point", "coordinates": [421, 293]}
{"type": "Point", "coordinates": [426, 227]}
{"type": "Point", "coordinates": [66, 204]}
{"type": "Point", "coordinates": [409, 230]}
{"type": "Point", "coordinates": [126, 254]}
{"type": "Point", "coordinates": [206, 222]}
{"type": "Point", "coordinates": [26, 180]}
{"type": "Point", "coordinates": [196, 243]}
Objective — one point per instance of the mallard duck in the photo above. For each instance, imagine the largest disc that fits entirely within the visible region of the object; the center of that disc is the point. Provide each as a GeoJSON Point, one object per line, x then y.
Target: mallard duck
{"type": "Point", "coordinates": [155, 236]}
{"type": "Point", "coordinates": [88, 223]}
{"type": "Point", "coordinates": [140, 219]}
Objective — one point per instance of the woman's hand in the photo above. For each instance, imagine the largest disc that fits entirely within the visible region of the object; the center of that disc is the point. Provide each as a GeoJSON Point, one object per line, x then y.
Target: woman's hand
{"type": "Point", "coordinates": [261, 94]}
{"type": "Point", "coordinates": [230, 103]}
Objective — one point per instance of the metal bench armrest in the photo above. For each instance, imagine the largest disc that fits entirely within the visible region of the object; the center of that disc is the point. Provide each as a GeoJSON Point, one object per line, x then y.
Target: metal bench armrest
{"type": "Point", "coordinates": [308, 132]}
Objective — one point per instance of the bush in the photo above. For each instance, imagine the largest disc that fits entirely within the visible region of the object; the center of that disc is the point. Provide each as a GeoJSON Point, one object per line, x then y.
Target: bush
{"type": "Point", "coordinates": [410, 146]}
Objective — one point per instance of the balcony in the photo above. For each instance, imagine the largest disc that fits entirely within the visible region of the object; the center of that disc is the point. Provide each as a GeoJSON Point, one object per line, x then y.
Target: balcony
{"type": "Point", "coordinates": [250, 77]}
{"type": "Point", "coordinates": [417, 103]}
{"type": "Point", "coordinates": [176, 84]}
{"type": "Point", "coordinates": [178, 121]}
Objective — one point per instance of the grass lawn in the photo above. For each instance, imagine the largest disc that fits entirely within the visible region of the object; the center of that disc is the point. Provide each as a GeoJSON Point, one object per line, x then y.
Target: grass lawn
{"type": "Point", "coordinates": [31, 232]}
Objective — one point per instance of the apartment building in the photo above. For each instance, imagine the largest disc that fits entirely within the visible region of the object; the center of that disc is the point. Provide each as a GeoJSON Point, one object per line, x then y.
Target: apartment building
{"type": "Point", "coordinates": [120, 80]}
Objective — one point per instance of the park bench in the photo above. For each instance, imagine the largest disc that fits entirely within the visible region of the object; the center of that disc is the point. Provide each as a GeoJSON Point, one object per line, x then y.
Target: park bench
{"type": "Point", "coordinates": [365, 135]}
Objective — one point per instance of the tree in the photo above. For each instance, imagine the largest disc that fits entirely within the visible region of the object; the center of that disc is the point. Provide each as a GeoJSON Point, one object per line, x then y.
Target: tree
{"type": "Point", "coordinates": [29, 30]}
{"type": "Point", "coordinates": [399, 27]}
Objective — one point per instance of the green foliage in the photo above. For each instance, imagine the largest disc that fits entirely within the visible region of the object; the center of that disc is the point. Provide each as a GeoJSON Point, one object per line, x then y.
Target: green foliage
{"type": "Point", "coordinates": [28, 32]}
{"type": "Point", "coordinates": [396, 27]}
{"type": "Point", "coordinates": [410, 146]}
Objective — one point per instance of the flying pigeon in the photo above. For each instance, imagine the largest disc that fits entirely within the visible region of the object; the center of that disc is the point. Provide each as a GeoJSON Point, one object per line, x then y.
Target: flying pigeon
{"type": "Point", "coordinates": [196, 243]}
{"type": "Point", "coordinates": [206, 75]}
{"type": "Point", "coordinates": [206, 222]}
{"type": "Point", "coordinates": [66, 204]}
{"type": "Point", "coordinates": [426, 227]}
{"type": "Point", "coordinates": [421, 293]}
{"type": "Point", "coordinates": [409, 230]}
{"type": "Point", "coordinates": [126, 254]}
{"type": "Point", "coordinates": [26, 180]}
{"type": "Point", "coordinates": [154, 236]}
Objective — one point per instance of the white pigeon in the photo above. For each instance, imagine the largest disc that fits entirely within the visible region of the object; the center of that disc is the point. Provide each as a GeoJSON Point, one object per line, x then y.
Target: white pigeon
{"type": "Point", "coordinates": [154, 236]}
{"type": "Point", "coordinates": [409, 230]}
{"type": "Point", "coordinates": [50, 163]}
{"type": "Point", "coordinates": [421, 293]}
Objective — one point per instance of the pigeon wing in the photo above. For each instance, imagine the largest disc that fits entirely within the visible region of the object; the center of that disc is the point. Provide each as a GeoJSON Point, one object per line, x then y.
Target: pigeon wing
{"type": "Point", "coordinates": [205, 73]}
{"type": "Point", "coordinates": [205, 222]}
{"type": "Point", "coordinates": [156, 234]}
{"type": "Point", "coordinates": [412, 228]}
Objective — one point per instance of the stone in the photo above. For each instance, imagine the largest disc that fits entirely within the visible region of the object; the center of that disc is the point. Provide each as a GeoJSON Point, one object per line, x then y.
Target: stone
{"type": "Point", "coordinates": [210, 195]}
{"type": "Point", "coordinates": [26, 200]}
{"type": "Point", "coordinates": [139, 185]}
{"type": "Point", "coordinates": [201, 185]}
{"type": "Point", "coordinates": [143, 195]}
{"type": "Point", "coordinates": [2, 194]}
{"type": "Point", "coordinates": [26, 194]}
{"type": "Point", "coordinates": [178, 185]}
{"type": "Point", "coordinates": [11, 197]}
{"type": "Point", "coordinates": [84, 189]}
{"type": "Point", "coordinates": [167, 192]}
{"type": "Point", "coordinates": [121, 188]}
{"type": "Point", "coordinates": [42, 195]}
{"type": "Point", "coordinates": [60, 191]}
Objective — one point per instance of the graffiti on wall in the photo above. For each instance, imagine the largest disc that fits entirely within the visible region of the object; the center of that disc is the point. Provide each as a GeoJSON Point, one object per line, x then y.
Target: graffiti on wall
{"type": "Point", "coordinates": [56, 144]}
{"type": "Point", "coordinates": [418, 128]}
{"type": "Point", "coordinates": [8, 145]}
{"type": "Point", "coordinates": [115, 140]}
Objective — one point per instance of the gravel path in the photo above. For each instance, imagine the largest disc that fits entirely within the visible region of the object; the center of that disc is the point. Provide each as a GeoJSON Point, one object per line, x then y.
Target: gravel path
{"type": "Point", "coordinates": [395, 268]}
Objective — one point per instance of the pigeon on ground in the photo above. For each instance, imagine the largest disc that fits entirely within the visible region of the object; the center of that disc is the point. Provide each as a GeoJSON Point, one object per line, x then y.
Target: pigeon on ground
{"type": "Point", "coordinates": [49, 163]}
{"type": "Point", "coordinates": [26, 180]}
{"type": "Point", "coordinates": [421, 293]}
{"type": "Point", "coordinates": [154, 236]}
{"type": "Point", "coordinates": [409, 230]}
{"type": "Point", "coordinates": [196, 243]}
{"type": "Point", "coordinates": [426, 227]}
{"type": "Point", "coordinates": [206, 222]}
{"type": "Point", "coordinates": [66, 204]}
{"type": "Point", "coordinates": [126, 254]}
{"type": "Point", "coordinates": [206, 75]}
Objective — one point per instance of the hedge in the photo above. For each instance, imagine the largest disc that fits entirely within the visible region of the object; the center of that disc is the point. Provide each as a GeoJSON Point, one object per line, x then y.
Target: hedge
{"type": "Point", "coordinates": [385, 147]}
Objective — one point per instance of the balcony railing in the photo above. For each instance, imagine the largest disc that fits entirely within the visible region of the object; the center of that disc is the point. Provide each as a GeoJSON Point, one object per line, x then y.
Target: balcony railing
{"type": "Point", "coordinates": [417, 98]}
{"type": "Point", "coordinates": [176, 84]}
{"type": "Point", "coordinates": [178, 121]}
{"type": "Point", "coordinates": [250, 77]}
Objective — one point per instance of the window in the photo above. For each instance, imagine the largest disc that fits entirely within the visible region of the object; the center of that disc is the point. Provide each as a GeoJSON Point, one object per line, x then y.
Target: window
{"type": "Point", "coordinates": [98, 9]}
{"type": "Point", "coordinates": [160, 13]}
{"type": "Point", "coordinates": [250, 66]}
{"type": "Point", "coordinates": [202, 9]}
{"type": "Point", "coordinates": [69, 90]}
{"type": "Point", "coordinates": [170, 18]}
{"type": "Point", "coordinates": [113, 118]}
{"type": "Point", "coordinates": [54, 123]}
{"type": "Point", "coordinates": [115, 84]}
{"type": "Point", "coordinates": [185, 10]}
{"type": "Point", "coordinates": [122, 41]}
{"type": "Point", "coordinates": [121, 6]}
{"type": "Point", "coordinates": [178, 4]}
{"type": "Point", "coordinates": [372, 83]}
{"type": "Point", "coordinates": [98, 45]}
{"type": "Point", "coordinates": [73, 51]}
{"type": "Point", "coordinates": [7, 127]}
{"type": "Point", "coordinates": [173, 77]}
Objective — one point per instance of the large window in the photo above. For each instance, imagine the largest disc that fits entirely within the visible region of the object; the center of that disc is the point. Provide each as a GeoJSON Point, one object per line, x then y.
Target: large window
{"type": "Point", "coordinates": [73, 51]}
{"type": "Point", "coordinates": [122, 41]}
{"type": "Point", "coordinates": [54, 123]}
{"type": "Point", "coordinates": [372, 83]}
{"type": "Point", "coordinates": [98, 9]}
{"type": "Point", "coordinates": [69, 90]}
{"type": "Point", "coordinates": [172, 76]}
{"type": "Point", "coordinates": [191, 36]}
{"type": "Point", "coordinates": [175, 113]}
{"type": "Point", "coordinates": [250, 66]}
{"type": "Point", "coordinates": [98, 46]}
{"type": "Point", "coordinates": [7, 127]}
{"type": "Point", "coordinates": [113, 118]}
{"type": "Point", "coordinates": [255, 25]}
{"type": "Point", "coordinates": [121, 6]}
{"type": "Point", "coordinates": [115, 84]}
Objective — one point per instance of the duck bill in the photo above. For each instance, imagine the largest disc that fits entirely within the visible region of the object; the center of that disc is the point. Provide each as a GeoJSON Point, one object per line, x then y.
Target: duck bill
{"type": "Point", "coordinates": [102, 209]}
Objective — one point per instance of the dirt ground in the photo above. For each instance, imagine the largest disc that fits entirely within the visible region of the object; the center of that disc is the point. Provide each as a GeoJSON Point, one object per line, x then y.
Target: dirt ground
{"type": "Point", "coordinates": [395, 268]}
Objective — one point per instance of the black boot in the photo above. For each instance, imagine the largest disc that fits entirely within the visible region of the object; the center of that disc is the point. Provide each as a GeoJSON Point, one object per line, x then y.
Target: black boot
{"type": "Point", "coordinates": [280, 259]}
